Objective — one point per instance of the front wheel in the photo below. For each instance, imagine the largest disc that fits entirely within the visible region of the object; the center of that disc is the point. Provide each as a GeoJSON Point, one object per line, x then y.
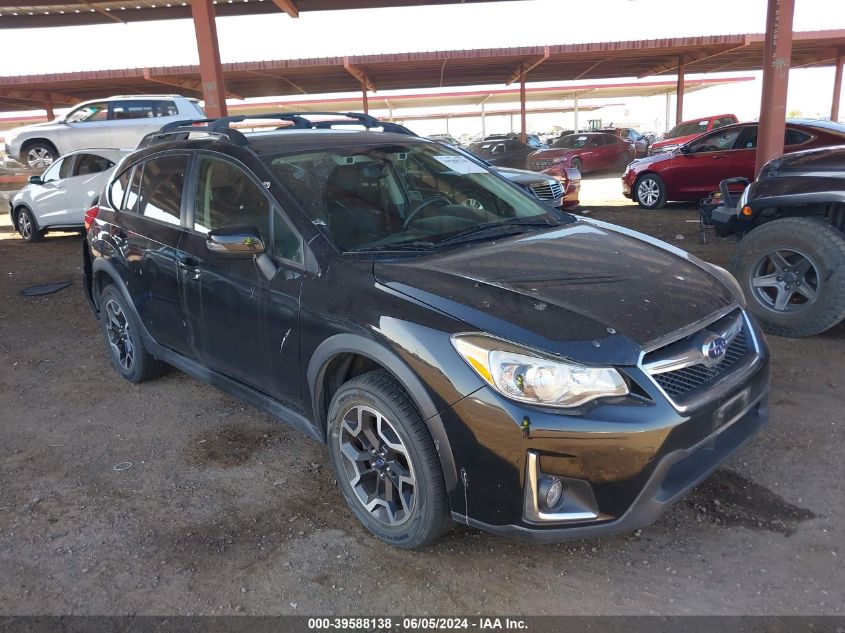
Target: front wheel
{"type": "Point", "coordinates": [792, 272]}
{"type": "Point", "coordinates": [386, 463]}
{"type": "Point", "coordinates": [650, 191]}
{"type": "Point", "coordinates": [27, 226]}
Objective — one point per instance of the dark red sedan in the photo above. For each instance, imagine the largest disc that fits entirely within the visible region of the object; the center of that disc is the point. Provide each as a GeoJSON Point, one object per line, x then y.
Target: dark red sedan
{"type": "Point", "coordinates": [697, 167]}
{"type": "Point", "coordinates": [587, 152]}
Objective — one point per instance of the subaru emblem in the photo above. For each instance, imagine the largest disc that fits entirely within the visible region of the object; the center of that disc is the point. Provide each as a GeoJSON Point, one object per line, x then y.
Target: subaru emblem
{"type": "Point", "coordinates": [714, 348]}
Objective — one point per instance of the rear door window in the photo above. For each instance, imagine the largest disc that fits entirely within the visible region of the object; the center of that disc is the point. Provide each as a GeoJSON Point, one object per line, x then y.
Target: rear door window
{"type": "Point", "coordinates": [135, 109]}
{"type": "Point", "coordinates": [91, 164]}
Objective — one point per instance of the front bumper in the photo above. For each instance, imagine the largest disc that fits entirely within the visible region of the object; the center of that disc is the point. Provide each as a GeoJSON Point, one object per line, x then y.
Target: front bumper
{"type": "Point", "coordinates": [637, 455]}
{"type": "Point", "coordinates": [628, 179]}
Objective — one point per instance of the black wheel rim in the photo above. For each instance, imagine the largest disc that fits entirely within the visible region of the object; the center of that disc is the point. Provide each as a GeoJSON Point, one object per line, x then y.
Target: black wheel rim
{"type": "Point", "coordinates": [377, 465]}
{"type": "Point", "coordinates": [117, 330]}
{"type": "Point", "coordinates": [786, 281]}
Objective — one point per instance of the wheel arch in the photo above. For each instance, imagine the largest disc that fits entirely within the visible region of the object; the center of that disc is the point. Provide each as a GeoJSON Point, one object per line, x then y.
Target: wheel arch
{"type": "Point", "coordinates": [344, 356]}
{"type": "Point", "coordinates": [38, 139]}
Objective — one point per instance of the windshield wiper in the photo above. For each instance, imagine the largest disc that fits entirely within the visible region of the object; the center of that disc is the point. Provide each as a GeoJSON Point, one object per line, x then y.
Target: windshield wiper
{"type": "Point", "coordinates": [403, 247]}
{"type": "Point", "coordinates": [499, 229]}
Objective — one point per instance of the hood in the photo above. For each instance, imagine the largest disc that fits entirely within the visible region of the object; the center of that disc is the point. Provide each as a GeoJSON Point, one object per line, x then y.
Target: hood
{"type": "Point", "coordinates": [35, 127]}
{"type": "Point", "coordinates": [552, 152]}
{"type": "Point", "coordinates": [522, 176]}
{"type": "Point", "coordinates": [675, 140]}
{"type": "Point", "coordinates": [587, 290]}
{"type": "Point", "coordinates": [650, 160]}
{"type": "Point", "coordinates": [826, 159]}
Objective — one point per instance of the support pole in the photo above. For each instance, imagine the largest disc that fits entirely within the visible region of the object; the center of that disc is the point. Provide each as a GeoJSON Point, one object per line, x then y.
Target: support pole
{"type": "Point", "coordinates": [211, 71]}
{"type": "Point", "coordinates": [777, 55]}
{"type": "Point", "coordinates": [48, 106]}
{"type": "Point", "coordinates": [483, 123]}
{"type": "Point", "coordinates": [668, 110]}
{"type": "Point", "coordinates": [679, 91]}
{"type": "Point", "coordinates": [575, 110]}
{"type": "Point", "coordinates": [447, 124]}
{"type": "Point", "coordinates": [837, 86]}
{"type": "Point", "coordinates": [365, 101]}
{"type": "Point", "coordinates": [523, 118]}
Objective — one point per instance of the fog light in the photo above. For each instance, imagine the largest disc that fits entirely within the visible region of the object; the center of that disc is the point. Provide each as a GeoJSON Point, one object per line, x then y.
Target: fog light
{"type": "Point", "coordinates": [554, 493]}
{"type": "Point", "coordinates": [746, 210]}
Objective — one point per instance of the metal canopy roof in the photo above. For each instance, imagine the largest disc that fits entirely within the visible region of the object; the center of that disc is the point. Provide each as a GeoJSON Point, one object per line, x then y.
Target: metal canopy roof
{"type": "Point", "coordinates": [600, 60]}
{"type": "Point", "coordinates": [43, 13]}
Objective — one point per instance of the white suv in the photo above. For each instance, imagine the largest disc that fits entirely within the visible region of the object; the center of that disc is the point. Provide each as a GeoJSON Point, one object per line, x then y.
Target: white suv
{"type": "Point", "coordinates": [113, 122]}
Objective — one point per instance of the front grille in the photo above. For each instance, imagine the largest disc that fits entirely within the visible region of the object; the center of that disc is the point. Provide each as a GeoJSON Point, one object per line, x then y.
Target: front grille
{"type": "Point", "coordinates": [681, 382]}
{"type": "Point", "coordinates": [680, 370]}
{"type": "Point", "coordinates": [547, 190]}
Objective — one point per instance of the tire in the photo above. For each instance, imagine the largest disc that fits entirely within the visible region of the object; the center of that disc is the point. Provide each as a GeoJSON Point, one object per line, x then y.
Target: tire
{"type": "Point", "coordinates": [792, 272]}
{"type": "Point", "coordinates": [39, 155]}
{"type": "Point", "coordinates": [27, 226]}
{"type": "Point", "coordinates": [123, 339]}
{"type": "Point", "coordinates": [650, 192]}
{"type": "Point", "coordinates": [358, 410]}
{"type": "Point", "coordinates": [577, 164]}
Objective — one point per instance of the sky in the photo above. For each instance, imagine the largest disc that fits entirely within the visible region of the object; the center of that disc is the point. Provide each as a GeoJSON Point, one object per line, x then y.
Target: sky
{"type": "Point", "coordinates": [460, 26]}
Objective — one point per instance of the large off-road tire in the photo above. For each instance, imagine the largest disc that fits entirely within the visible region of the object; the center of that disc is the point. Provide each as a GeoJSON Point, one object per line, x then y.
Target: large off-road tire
{"type": "Point", "coordinates": [123, 338]}
{"type": "Point", "coordinates": [386, 463]}
{"type": "Point", "coordinates": [792, 272]}
{"type": "Point", "coordinates": [650, 191]}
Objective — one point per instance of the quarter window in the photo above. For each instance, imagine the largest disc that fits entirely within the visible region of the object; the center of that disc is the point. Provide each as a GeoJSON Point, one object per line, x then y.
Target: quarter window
{"type": "Point", "coordinates": [118, 189]}
{"type": "Point", "coordinates": [795, 137]}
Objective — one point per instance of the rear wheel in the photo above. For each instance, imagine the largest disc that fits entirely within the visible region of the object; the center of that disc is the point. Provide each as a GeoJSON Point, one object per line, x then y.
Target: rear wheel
{"type": "Point", "coordinates": [792, 272]}
{"type": "Point", "coordinates": [27, 226]}
{"type": "Point", "coordinates": [386, 463]}
{"type": "Point", "coordinates": [650, 192]}
{"type": "Point", "coordinates": [123, 339]}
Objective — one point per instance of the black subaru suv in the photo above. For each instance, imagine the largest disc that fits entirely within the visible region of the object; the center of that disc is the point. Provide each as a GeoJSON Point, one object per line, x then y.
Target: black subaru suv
{"type": "Point", "coordinates": [467, 353]}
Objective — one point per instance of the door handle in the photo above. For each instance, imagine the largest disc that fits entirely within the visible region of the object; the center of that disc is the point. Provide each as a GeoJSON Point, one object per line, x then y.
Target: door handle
{"type": "Point", "coordinates": [719, 157]}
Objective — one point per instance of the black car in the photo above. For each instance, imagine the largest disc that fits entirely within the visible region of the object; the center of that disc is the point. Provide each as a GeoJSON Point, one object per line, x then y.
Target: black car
{"type": "Point", "coordinates": [790, 259]}
{"type": "Point", "coordinates": [505, 152]}
{"type": "Point", "coordinates": [510, 367]}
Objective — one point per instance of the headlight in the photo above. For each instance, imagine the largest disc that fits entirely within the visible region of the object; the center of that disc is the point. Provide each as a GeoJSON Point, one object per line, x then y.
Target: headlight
{"type": "Point", "coordinates": [557, 161]}
{"type": "Point", "coordinates": [526, 376]}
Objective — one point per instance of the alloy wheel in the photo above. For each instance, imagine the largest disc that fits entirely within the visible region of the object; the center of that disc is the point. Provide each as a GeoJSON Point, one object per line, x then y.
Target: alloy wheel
{"type": "Point", "coordinates": [785, 280]}
{"type": "Point", "coordinates": [25, 225]}
{"type": "Point", "coordinates": [117, 329]}
{"type": "Point", "coordinates": [39, 157]}
{"type": "Point", "coordinates": [648, 192]}
{"type": "Point", "coordinates": [377, 465]}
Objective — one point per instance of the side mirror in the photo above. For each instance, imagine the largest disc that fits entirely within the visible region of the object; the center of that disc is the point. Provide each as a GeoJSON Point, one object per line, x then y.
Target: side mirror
{"type": "Point", "coordinates": [685, 149]}
{"type": "Point", "coordinates": [235, 241]}
{"type": "Point", "coordinates": [35, 180]}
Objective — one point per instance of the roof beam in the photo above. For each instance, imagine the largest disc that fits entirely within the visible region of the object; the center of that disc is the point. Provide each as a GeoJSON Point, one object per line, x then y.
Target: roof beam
{"type": "Point", "coordinates": [689, 58]}
{"type": "Point", "coordinates": [588, 70]}
{"type": "Point", "coordinates": [527, 65]}
{"type": "Point", "coordinates": [288, 6]}
{"type": "Point", "coordinates": [829, 55]}
{"type": "Point", "coordinates": [108, 14]}
{"type": "Point", "coordinates": [186, 84]}
{"type": "Point", "coordinates": [279, 78]}
{"type": "Point", "coordinates": [40, 96]}
{"type": "Point", "coordinates": [360, 74]}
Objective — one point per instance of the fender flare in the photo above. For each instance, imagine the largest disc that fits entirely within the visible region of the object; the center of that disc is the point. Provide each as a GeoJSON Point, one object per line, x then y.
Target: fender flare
{"type": "Point", "coordinates": [357, 344]}
{"type": "Point", "coordinates": [100, 265]}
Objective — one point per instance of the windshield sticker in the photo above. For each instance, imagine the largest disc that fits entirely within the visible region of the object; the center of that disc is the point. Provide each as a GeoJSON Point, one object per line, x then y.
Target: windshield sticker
{"type": "Point", "coordinates": [460, 164]}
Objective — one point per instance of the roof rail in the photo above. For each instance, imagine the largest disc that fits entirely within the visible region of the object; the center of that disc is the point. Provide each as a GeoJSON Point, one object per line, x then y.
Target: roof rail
{"type": "Point", "coordinates": [221, 127]}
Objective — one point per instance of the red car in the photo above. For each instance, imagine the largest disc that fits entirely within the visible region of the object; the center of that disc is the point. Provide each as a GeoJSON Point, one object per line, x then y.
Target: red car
{"type": "Point", "coordinates": [588, 152]}
{"type": "Point", "coordinates": [696, 168]}
{"type": "Point", "coordinates": [688, 130]}
{"type": "Point", "coordinates": [633, 137]}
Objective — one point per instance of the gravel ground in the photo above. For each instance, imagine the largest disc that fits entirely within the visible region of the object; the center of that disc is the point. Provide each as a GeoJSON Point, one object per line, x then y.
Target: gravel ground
{"type": "Point", "coordinates": [172, 498]}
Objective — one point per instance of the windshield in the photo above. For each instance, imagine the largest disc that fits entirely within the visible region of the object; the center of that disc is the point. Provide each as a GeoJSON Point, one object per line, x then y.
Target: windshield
{"type": "Point", "coordinates": [413, 195]}
{"type": "Point", "coordinates": [687, 129]}
{"type": "Point", "coordinates": [575, 141]}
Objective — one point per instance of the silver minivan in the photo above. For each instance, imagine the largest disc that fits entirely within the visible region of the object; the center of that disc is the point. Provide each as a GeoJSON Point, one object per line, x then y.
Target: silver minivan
{"type": "Point", "coordinates": [119, 121]}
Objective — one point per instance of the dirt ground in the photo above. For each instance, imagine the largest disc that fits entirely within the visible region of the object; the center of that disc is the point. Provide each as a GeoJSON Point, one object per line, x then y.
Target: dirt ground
{"type": "Point", "coordinates": [172, 498]}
